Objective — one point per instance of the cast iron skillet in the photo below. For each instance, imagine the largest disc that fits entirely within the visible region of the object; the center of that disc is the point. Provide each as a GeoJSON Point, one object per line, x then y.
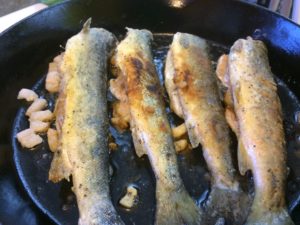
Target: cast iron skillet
{"type": "Point", "coordinates": [27, 48]}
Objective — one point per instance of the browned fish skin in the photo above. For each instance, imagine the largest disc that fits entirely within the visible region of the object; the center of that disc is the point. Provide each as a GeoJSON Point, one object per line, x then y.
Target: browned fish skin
{"type": "Point", "coordinates": [261, 136]}
{"type": "Point", "coordinates": [203, 113]}
{"type": "Point", "coordinates": [190, 78]}
{"type": "Point", "coordinates": [82, 123]}
{"type": "Point", "coordinates": [151, 130]}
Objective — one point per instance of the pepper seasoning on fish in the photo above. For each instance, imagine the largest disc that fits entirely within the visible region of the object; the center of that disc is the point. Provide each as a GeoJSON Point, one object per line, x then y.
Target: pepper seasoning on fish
{"type": "Point", "coordinates": [260, 130]}
{"type": "Point", "coordinates": [151, 130]}
{"type": "Point", "coordinates": [83, 122]}
{"type": "Point", "coordinates": [193, 91]}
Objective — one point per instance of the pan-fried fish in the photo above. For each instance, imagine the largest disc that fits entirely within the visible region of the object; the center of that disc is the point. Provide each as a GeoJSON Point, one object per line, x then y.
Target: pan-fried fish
{"type": "Point", "coordinates": [60, 166]}
{"type": "Point", "coordinates": [83, 123]}
{"type": "Point", "coordinates": [260, 130]}
{"type": "Point", "coordinates": [151, 130]}
{"type": "Point", "coordinates": [193, 91]}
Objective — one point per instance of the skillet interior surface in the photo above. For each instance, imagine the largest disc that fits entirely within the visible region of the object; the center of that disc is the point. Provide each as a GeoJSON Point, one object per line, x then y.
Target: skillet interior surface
{"type": "Point", "coordinates": [27, 48]}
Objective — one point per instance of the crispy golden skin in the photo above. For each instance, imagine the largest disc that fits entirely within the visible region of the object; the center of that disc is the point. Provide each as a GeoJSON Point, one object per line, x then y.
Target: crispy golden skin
{"type": "Point", "coordinates": [82, 123]}
{"type": "Point", "coordinates": [190, 69]}
{"type": "Point", "coordinates": [151, 130]}
{"type": "Point", "coordinates": [261, 136]}
{"type": "Point", "coordinates": [192, 86]}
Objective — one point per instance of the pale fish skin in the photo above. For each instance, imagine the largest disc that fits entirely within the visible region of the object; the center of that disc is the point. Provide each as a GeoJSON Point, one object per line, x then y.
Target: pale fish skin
{"type": "Point", "coordinates": [260, 130]}
{"type": "Point", "coordinates": [151, 130]}
{"type": "Point", "coordinates": [84, 123]}
{"type": "Point", "coordinates": [192, 87]}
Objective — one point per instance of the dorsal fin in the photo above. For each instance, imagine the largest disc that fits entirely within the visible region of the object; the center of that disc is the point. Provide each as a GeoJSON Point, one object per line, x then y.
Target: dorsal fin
{"type": "Point", "coordinates": [243, 160]}
{"type": "Point", "coordinates": [86, 26]}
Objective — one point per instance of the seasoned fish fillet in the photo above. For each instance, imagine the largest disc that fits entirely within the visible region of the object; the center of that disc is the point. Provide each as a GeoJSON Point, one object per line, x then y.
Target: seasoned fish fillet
{"type": "Point", "coordinates": [83, 123]}
{"type": "Point", "coordinates": [261, 136]}
{"type": "Point", "coordinates": [151, 130]}
{"type": "Point", "coordinates": [192, 87]}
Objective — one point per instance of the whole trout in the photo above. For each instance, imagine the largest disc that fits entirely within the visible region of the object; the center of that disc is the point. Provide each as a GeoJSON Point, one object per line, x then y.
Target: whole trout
{"type": "Point", "coordinates": [82, 121]}
{"type": "Point", "coordinates": [260, 130]}
{"type": "Point", "coordinates": [192, 87]}
{"type": "Point", "coordinates": [151, 130]}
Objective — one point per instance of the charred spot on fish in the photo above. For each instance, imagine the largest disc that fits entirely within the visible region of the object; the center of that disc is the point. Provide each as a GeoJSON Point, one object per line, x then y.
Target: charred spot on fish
{"type": "Point", "coordinates": [152, 88]}
{"type": "Point", "coordinates": [163, 127]}
{"type": "Point", "coordinates": [149, 109]}
{"type": "Point", "coordinates": [181, 79]}
{"type": "Point", "coordinates": [168, 155]}
{"type": "Point", "coordinates": [187, 76]}
{"type": "Point", "coordinates": [138, 65]}
{"type": "Point", "coordinates": [123, 86]}
{"type": "Point", "coordinates": [273, 180]}
{"type": "Point", "coordinates": [150, 68]}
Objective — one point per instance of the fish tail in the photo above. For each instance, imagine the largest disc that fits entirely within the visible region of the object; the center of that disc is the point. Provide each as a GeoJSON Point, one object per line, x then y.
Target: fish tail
{"type": "Point", "coordinates": [103, 213]}
{"type": "Point", "coordinates": [258, 216]}
{"type": "Point", "coordinates": [176, 207]}
{"type": "Point", "coordinates": [230, 204]}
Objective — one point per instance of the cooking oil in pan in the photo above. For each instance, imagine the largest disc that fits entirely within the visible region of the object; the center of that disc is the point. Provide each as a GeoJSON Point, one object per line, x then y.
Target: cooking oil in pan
{"type": "Point", "coordinates": [129, 170]}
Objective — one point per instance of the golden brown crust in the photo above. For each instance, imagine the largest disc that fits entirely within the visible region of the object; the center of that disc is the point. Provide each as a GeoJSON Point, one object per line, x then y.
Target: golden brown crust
{"type": "Point", "coordinates": [258, 110]}
{"type": "Point", "coordinates": [151, 130]}
{"type": "Point", "coordinates": [201, 106]}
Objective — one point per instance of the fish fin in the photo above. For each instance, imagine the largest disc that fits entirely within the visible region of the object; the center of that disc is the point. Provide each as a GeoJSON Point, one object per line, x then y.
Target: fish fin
{"type": "Point", "coordinates": [222, 70]}
{"type": "Point", "coordinates": [261, 217]}
{"type": "Point", "coordinates": [232, 121]}
{"type": "Point", "coordinates": [192, 133]}
{"type": "Point", "coordinates": [102, 214]}
{"type": "Point", "coordinates": [232, 205]}
{"type": "Point", "coordinates": [242, 158]}
{"type": "Point", "coordinates": [58, 169]}
{"type": "Point", "coordinates": [86, 26]}
{"type": "Point", "coordinates": [138, 142]}
{"type": "Point", "coordinates": [176, 207]}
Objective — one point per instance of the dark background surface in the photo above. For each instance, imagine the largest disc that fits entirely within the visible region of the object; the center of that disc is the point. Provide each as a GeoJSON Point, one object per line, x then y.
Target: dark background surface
{"type": "Point", "coordinates": [12, 5]}
{"type": "Point", "coordinates": [232, 20]}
